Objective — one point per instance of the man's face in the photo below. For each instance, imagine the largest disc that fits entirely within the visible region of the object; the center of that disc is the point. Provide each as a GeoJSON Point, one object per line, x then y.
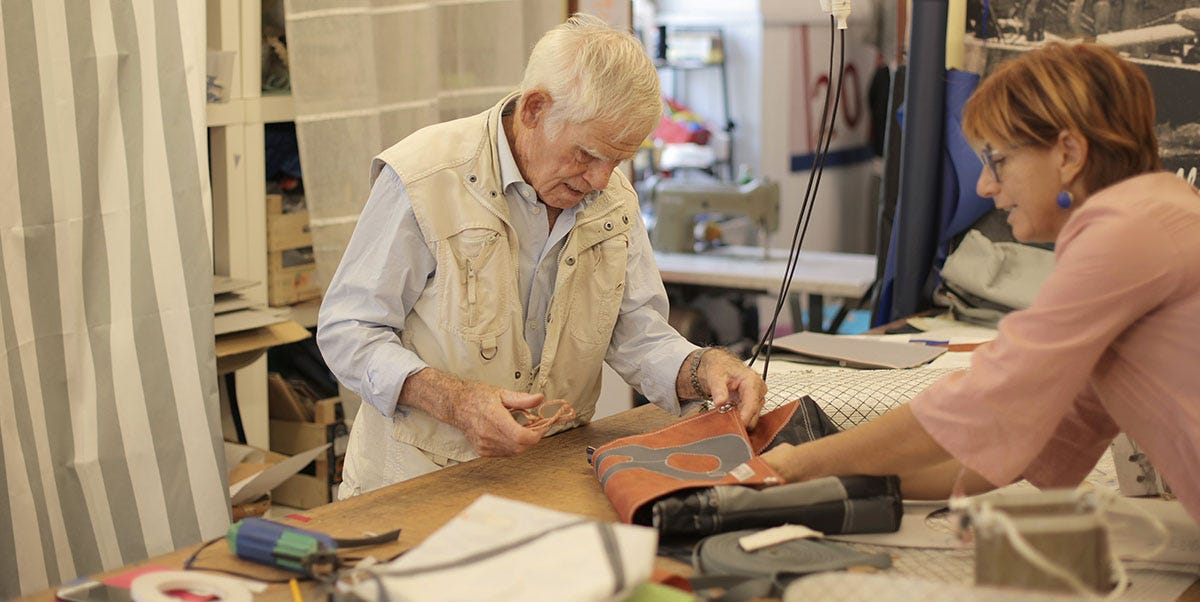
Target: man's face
{"type": "Point", "coordinates": [577, 161]}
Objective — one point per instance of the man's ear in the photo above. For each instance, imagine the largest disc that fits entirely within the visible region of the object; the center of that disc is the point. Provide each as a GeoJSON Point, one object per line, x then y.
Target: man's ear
{"type": "Point", "coordinates": [1074, 154]}
{"type": "Point", "coordinates": [534, 106]}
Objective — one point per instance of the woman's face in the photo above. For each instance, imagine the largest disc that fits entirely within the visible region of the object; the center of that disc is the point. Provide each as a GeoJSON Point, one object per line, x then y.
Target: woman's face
{"type": "Point", "coordinates": [1024, 180]}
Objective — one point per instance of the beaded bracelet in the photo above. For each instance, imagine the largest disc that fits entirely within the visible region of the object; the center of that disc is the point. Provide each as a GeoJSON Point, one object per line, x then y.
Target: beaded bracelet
{"type": "Point", "coordinates": [695, 369]}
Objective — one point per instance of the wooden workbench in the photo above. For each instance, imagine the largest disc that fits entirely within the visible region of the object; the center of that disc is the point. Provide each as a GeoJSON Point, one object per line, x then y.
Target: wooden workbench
{"type": "Point", "coordinates": [554, 474]}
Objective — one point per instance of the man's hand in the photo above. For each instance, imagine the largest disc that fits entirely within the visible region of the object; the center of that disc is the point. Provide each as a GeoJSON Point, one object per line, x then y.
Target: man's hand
{"type": "Point", "coordinates": [481, 411]}
{"type": "Point", "coordinates": [728, 380]}
{"type": "Point", "coordinates": [483, 415]}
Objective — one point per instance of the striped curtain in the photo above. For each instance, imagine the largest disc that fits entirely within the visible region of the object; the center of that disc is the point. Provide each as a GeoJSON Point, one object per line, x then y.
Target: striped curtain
{"type": "Point", "coordinates": [109, 430]}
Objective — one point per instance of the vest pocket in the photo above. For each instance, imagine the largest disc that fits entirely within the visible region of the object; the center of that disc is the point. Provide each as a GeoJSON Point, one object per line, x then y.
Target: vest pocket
{"type": "Point", "coordinates": [474, 279]}
{"type": "Point", "coordinates": [598, 290]}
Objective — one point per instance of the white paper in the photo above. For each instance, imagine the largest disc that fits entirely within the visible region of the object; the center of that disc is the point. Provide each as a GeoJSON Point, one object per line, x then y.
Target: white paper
{"type": "Point", "coordinates": [227, 302]}
{"type": "Point", "coordinates": [254, 487]}
{"type": "Point", "coordinates": [1132, 536]}
{"type": "Point", "coordinates": [243, 319]}
{"type": "Point", "coordinates": [857, 351]}
{"type": "Point", "coordinates": [236, 453]}
{"type": "Point", "coordinates": [565, 564]}
{"type": "Point", "coordinates": [225, 284]}
{"type": "Point", "coordinates": [777, 535]}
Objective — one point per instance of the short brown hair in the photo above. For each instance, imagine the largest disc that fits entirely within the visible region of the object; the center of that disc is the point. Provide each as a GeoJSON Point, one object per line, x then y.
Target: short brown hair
{"type": "Point", "coordinates": [1082, 87]}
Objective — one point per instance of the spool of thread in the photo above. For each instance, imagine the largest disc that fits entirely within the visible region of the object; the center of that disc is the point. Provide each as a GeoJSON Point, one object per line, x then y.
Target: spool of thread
{"type": "Point", "coordinates": [153, 587]}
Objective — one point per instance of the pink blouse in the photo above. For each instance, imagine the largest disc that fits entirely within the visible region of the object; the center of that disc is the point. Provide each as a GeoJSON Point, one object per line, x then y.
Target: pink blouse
{"type": "Point", "coordinates": [1111, 343]}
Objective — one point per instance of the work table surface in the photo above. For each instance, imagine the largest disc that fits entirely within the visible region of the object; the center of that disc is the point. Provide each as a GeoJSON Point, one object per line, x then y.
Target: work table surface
{"type": "Point", "coordinates": [741, 267]}
{"type": "Point", "coordinates": [553, 474]}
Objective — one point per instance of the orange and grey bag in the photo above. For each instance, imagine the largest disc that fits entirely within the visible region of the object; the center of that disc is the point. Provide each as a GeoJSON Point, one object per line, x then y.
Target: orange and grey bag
{"type": "Point", "coordinates": [704, 475]}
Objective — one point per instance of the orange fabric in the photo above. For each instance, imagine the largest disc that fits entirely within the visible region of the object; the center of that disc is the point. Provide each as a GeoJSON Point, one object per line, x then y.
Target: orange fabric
{"type": "Point", "coordinates": [712, 448]}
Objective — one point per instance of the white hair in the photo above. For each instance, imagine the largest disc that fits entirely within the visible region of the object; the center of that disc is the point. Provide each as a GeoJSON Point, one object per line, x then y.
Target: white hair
{"type": "Point", "coordinates": [595, 73]}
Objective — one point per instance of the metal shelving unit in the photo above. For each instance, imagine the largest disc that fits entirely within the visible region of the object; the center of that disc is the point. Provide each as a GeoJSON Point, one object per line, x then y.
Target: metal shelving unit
{"type": "Point", "coordinates": [679, 69]}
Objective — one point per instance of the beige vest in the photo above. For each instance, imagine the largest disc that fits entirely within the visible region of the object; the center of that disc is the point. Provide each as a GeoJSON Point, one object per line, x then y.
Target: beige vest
{"type": "Point", "coordinates": [469, 320]}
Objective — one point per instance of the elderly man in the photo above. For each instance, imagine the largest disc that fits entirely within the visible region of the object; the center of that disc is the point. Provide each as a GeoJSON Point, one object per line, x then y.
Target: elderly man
{"type": "Point", "coordinates": [499, 261]}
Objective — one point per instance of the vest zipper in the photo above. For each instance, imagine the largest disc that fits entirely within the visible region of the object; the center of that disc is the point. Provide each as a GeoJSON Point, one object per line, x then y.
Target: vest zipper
{"type": "Point", "coordinates": [471, 293]}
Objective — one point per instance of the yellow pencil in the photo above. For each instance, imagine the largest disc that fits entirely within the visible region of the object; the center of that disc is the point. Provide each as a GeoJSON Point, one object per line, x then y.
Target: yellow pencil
{"type": "Point", "coordinates": [296, 597]}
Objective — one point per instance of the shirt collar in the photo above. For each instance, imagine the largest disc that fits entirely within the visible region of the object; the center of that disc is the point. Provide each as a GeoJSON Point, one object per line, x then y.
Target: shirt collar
{"type": "Point", "coordinates": [509, 172]}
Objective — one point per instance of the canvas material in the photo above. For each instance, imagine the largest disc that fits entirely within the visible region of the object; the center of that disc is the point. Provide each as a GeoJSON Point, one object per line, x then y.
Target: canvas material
{"type": "Point", "coordinates": [712, 448]}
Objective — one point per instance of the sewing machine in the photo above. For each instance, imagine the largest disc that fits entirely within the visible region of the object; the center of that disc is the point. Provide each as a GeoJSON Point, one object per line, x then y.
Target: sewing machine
{"type": "Point", "coordinates": [677, 203]}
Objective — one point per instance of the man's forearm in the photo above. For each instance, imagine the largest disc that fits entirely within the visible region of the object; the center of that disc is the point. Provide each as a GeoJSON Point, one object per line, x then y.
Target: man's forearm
{"type": "Point", "coordinates": [435, 392]}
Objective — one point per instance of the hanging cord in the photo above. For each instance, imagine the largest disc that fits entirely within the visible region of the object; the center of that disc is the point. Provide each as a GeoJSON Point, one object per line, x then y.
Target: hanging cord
{"type": "Point", "coordinates": [768, 336]}
{"type": "Point", "coordinates": [824, 138]}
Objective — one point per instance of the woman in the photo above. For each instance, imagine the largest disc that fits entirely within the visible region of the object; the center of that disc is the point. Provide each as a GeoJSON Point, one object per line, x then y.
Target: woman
{"type": "Point", "coordinates": [1111, 341]}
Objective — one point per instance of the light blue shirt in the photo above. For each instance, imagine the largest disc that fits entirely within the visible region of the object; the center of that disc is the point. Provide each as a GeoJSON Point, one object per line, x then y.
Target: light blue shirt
{"type": "Point", "coordinates": [387, 265]}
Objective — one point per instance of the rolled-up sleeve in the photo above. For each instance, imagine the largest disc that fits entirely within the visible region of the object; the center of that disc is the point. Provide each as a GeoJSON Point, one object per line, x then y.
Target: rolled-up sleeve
{"type": "Point", "coordinates": [645, 350]}
{"type": "Point", "coordinates": [381, 276]}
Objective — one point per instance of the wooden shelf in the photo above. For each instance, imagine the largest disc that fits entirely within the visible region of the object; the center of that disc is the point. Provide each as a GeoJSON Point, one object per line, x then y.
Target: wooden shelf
{"type": "Point", "coordinates": [225, 113]}
{"type": "Point", "coordinates": [273, 108]}
{"type": "Point", "coordinates": [237, 166]}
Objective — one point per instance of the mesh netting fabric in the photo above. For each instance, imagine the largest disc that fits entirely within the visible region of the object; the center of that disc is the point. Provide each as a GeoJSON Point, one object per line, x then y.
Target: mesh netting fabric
{"type": "Point", "coordinates": [850, 396]}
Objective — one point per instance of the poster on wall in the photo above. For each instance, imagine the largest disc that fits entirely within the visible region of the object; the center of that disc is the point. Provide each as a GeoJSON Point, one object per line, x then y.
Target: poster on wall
{"type": "Point", "coordinates": [1160, 36]}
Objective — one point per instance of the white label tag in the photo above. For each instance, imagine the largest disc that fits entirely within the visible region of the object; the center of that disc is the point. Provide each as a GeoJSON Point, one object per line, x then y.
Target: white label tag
{"type": "Point", "coordinates": [742, 472]}
{"type": "Point", "coordinates": [777, 535]}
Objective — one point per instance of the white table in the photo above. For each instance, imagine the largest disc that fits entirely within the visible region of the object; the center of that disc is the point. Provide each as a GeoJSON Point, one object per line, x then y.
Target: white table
{"type": "Point", "coordinates": [843, 275]}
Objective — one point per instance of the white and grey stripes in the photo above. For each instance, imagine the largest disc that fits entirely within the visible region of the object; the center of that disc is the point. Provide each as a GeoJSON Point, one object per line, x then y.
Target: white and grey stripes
{"type": "Point", "coordinates": [109, 433]}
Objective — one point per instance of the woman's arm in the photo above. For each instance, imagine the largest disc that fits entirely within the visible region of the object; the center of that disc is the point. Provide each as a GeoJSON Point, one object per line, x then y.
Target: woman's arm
{"type": "Point", "coordinates": [894, 443]}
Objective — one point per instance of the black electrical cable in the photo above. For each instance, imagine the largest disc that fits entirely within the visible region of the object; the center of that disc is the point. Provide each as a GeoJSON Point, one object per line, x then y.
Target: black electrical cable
{"type": "Point", "coordinates": [824, 138]}
{"type": "Point", "coordinates": [188, 565]}
{"type": "Point", "coordinates": [389, 537]}
{"type": "Point", "coordinates": [768, 335]}
{"type": "Point", "coordinates": [793, 256]}
{"type": "Point", "coordinates": [820, 170]}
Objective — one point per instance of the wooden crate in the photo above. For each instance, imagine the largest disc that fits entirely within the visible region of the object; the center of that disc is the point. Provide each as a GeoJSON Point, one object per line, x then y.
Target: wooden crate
{"type": "Point", "coordinates": [318, 481]}
{"type": "Point", "coordinates": [291, 267]}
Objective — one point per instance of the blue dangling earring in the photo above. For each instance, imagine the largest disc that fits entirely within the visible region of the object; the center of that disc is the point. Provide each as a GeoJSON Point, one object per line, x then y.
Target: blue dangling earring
{"type": "Point", "coordinates": [1064, 200]}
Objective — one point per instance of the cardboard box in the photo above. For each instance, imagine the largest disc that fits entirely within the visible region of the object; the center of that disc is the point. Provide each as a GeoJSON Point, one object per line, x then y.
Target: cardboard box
{"type": "Point", "coordinates": [291, 265]}
{"type": "Point", "coordinates": [286, 230]}
{"type": "Point", "coordinates": [304, 491]}
{"type": "Point", "coordinates": [253, 473]}
{"type": "Point", "coordinates": [317, 482]}
{"type": "Point", "coordinates": [239, 349]}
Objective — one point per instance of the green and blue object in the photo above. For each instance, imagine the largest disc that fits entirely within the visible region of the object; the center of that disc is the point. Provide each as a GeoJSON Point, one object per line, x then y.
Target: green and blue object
{"type": "Point", "coordinates": [275, 544]}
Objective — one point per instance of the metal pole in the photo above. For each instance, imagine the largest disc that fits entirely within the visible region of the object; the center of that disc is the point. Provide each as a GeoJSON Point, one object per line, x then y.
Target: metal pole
{"type": "Point", "coordinates": [921, 157]}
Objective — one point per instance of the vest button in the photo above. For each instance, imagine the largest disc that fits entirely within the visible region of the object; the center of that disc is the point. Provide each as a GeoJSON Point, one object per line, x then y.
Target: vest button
{"type": "Point", "coordinates": [472, 179]}
{"type": "Point", "coordinates": [493, 193]}
{"type": "Point", "coordinates": [517, 375]}
{"type": "Point", "coordinates": [625, 219]}
{"type": "Point", "coordinates": [570, 261]}
{"type": "Point", "coordinates": [608, 226]}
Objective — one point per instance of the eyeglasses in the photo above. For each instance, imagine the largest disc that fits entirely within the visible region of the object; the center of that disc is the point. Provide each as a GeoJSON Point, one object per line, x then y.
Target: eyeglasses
{"type": "Point", "coordinates": [993, 158]}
